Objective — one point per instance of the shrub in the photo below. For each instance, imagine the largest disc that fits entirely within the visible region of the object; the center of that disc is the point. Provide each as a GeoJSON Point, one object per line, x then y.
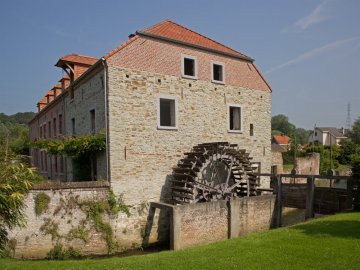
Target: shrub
{"type": "Point", "coordinates": [42, 201]}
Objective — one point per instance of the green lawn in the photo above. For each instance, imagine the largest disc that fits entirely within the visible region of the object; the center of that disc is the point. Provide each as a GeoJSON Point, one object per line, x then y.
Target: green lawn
{"type": "Point", "coordinates": [327, 243]}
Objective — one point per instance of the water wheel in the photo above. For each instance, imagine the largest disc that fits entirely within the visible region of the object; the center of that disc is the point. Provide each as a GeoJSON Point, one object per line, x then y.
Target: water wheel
{"type": "Point", "coordinates": [213, 171]}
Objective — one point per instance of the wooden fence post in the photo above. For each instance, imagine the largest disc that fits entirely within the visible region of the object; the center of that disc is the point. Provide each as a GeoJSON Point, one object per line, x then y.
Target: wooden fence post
{"type": "Point", "coordinates": [310, 198]}
{"type": "Point", "coordinates": [278, 200]}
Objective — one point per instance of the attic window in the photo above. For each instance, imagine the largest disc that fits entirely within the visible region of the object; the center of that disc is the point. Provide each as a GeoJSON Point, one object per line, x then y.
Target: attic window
{"type": "Point", "coordinates": [167, 112]}
{"type": "Point", "coordinates": [217, 72]}
{"type": "Point", "coordinates": [235, 118]}
{"type": "Point", "coordinates": [189, 67]}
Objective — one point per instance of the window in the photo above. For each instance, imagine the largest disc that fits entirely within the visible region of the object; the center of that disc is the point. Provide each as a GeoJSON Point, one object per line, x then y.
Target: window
{"type": "Point", "coordinates": [44, 130]}
{"type": "Point", "coordinates": [73, 131]}
{"type": "Point", "coordinates": [251, 130]}
{"type": "Point", "coordinates": [92, 121]}
{"type": "Point", "coordinates": [217, 72]}
{"type": "Point", "coordinates": [60, 124]}
{"type": "Point", "coordinates": [235, 118]}
{"type": "Point", "coordinates": [54, 126]}
{"type": "Point", "coordinates": [49, 126]}
{"type": "Point", "coordinates": [41, 131]}
{"type": "Point", "coordinates": [71, 93]}
{"type": "Point", "coordinates": [167, 112]}
{"type": "Point", "coordinates": [189, 67]}
{"type": "Point", "coordinates": [61, 165]}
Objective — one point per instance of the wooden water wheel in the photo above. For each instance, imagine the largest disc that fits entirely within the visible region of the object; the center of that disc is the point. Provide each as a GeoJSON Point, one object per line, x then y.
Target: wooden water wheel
{"type": "Point", "coordinates": [213, 171]}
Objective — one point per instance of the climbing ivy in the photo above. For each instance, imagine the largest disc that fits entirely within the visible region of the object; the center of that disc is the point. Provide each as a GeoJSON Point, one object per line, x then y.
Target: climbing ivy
{"type": "Point", "coordinates": [41, 203]}
{"type": "Point", "coordinates": [76, 147]}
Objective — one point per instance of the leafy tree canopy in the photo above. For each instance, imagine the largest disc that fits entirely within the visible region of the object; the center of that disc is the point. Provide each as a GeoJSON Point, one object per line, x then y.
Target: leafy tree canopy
{"type": "Point", "coordinates": [355, 132]}
{"type": "Point", "coordinates": [281, 124]}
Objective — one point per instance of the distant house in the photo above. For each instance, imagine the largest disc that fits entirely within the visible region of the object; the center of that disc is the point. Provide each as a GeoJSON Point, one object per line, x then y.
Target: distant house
{"type": "Point", "coordinates": [327, 135]}
{"type": "Point", "coordinates": [281, 140]}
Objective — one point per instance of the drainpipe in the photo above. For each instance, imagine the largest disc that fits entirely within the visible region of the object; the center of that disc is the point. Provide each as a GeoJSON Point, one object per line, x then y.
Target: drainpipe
{"type": "Point", "coordinates": [106, 121]}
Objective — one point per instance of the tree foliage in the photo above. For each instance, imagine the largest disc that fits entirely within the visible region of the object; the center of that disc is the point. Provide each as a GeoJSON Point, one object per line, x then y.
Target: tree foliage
{"type": "Point", "coordinates": [355, 132]}
{"type": "Point", "coordinates": [280, 123]}
{"type": "Point", "coordinates": [76, 148]}
{"type": "Point", "coordinates": [15, 181]}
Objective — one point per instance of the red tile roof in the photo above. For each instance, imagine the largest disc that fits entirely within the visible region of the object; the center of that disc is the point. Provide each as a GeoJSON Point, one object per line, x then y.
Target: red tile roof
{"type": "Point", "coordinates": [78, 59]}
{"type": "Point", "coordinates": [282, 140]}
{"type": "Point", "coordinates": [173, 31]}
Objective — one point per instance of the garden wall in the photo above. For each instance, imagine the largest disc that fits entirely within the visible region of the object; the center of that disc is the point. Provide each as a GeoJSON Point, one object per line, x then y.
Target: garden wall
{"type": "Point", "coordinates": [202, 223]}
{"type": "Point", "coordinates": [71, 218]}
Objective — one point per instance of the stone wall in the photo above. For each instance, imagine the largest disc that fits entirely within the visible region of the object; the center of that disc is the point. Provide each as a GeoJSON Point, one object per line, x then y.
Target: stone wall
{"type": "Point", "coordinates": [142, 156]}
{"type": "Point", "coordinates": [66, 221]}
{"type": "Point", "coordinates": [203, 223]}
{"type": "Point", "coordinates": [309, 164]}
{"type": "Point", "coordinates": [88, 95]}
{"type": "Point", "coordinates": [252, 214]}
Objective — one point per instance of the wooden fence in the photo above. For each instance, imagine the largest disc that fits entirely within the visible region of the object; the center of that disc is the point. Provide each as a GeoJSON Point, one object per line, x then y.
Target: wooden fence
{"type": "Point", "coordinates": [318, 194]}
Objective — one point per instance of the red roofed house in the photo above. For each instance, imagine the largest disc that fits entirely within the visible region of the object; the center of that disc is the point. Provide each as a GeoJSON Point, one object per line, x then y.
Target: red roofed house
{"type": "Point", "coordinates": [163, 91]}
{"type": "Point", "coordinates": [281, 140]}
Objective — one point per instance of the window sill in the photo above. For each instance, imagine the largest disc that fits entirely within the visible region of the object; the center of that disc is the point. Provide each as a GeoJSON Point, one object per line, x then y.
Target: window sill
{"type": "Point", "coordinates": [167, 128]}
{"type": "Point", "coordinates": [217, 82]}
{"type": "Point", "coordinates": [189, 77]}
{"type": "Point", "coordinates": [235, 131]}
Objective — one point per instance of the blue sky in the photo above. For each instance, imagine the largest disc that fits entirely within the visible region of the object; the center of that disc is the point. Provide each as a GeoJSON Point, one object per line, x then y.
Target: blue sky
{"type": "Point", "coordinates": [308, 50]}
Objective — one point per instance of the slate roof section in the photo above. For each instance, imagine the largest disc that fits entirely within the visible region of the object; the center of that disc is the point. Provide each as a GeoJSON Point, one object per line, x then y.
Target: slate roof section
{"type": "Point", "coordinates": [332, 130]}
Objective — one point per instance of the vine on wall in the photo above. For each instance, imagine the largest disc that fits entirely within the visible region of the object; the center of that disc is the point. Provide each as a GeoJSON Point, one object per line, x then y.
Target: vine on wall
{"type": "Point", "coordinates": [75, 147]}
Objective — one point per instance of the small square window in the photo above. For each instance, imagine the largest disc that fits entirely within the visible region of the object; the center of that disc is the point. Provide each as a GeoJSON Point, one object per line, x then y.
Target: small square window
{"type": "Point", "coordinates": [217, 71]}
{"type": "Point", "coordinates": [167, 113]}
{"type": "Point", "coordinates": [189, 67]}
{"type": "Point", "coordinates": [235, 118]}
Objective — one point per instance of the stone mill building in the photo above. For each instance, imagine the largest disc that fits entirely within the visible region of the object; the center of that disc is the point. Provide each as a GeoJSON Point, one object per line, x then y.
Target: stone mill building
{"type": "Point", "coordinates": [163, 91]}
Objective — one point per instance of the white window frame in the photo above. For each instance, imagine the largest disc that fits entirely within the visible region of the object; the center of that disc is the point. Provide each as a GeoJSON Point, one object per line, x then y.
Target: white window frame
{"type": "Point", "coordinates": [241, 118]}
{"type": "Point", "coordinates": [212, 72]}
{"type": "Point", "coordinates": [183, 56]}
{"type": "Point", "coordinates": [159, 126]}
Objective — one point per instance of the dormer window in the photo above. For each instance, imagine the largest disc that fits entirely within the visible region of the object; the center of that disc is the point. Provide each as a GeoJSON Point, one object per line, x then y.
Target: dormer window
{"type": "Point", "coordinates": [217, 72]}
{"type": "Point", "coordinates": [189, 67]}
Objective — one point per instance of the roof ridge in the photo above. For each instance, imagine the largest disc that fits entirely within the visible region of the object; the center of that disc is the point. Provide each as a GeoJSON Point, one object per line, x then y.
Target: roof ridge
{"type": "Point", "coordinates": [77, 54]}
{"type": "Point", "coordinates": [206, 37]}
{"type": "Point", "coordinates": [120, 47]}
{"type": "Point", "coordinates": [168, 20]}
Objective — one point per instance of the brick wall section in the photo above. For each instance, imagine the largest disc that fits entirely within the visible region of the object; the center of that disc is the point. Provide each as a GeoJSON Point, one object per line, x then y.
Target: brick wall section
{"type": "Point", "coordinates": [162, 57]}
{"type": "Point", "coordinates": [142, 156]}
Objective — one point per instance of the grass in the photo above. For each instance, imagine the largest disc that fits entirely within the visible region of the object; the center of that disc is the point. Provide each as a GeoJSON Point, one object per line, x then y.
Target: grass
{"type": "Point", "coordinates": [328, 243]}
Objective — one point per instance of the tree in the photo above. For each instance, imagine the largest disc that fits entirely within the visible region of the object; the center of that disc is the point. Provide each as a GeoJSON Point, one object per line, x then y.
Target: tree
{"type": "Point", "coordinates": [355, 132]}
{"type": "Point", "coordinates": [281, 124]}
{"type": "Point", "coordinates": [302, 136]}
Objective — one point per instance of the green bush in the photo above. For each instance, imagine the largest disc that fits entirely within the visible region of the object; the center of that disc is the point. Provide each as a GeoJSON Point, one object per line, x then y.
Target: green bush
{"type": "Point", "coordinates": [59, 253]}
{"type": "Point", "coordinates": [42, 201]}
{"type": "Point", "coordinates": [356, 182]}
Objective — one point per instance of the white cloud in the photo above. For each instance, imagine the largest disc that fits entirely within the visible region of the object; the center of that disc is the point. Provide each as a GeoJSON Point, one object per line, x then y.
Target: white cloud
{"type": "Point", "coordinates": [313, 53]}
{"type": "Point", "coordinates": [316, 15]}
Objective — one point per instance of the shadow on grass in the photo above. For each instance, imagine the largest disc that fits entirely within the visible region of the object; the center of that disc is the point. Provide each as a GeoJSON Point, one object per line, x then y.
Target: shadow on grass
{"type": "Point", "coordinates": [335, 228]}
